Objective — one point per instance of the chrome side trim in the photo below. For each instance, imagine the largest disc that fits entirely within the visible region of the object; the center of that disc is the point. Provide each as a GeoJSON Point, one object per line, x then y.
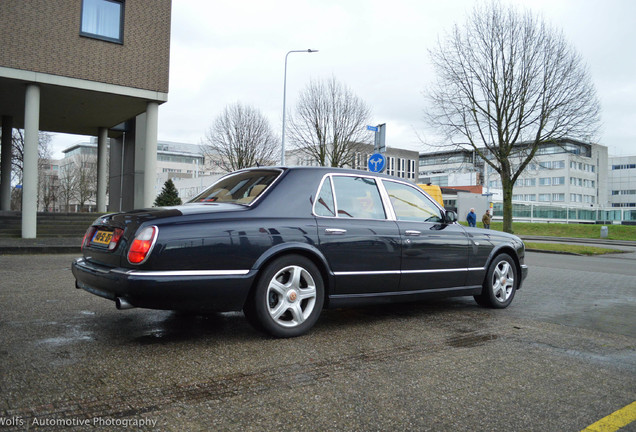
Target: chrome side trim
{"type": "Point", "coordinates": [434, 271]}
{"type": "Point", "coordinates": [476, 268]}
{"type": "Point", "coordinates": [181, 273]}
{"type": "Point", "coordinates": [359, 273]}
{"type": "Point", "coordinates": [380, 272]}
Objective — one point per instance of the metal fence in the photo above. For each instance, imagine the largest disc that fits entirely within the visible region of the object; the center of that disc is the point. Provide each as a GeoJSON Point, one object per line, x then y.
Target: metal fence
{"type": "Point", "coordinates": [529, 212]}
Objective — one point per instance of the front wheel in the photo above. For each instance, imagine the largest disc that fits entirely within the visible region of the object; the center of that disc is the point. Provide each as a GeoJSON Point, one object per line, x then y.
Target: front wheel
{"type": "Point", "coordinates": [500, 284]}
{"type": "Point", "coordinates": [288, 297]}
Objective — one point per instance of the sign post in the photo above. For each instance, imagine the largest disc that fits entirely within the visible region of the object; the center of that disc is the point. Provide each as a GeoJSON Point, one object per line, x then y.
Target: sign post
{"type": "Point", "coordinates": [380, 137]}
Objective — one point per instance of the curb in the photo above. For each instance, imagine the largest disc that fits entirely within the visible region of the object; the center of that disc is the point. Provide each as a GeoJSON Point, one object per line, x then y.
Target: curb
{"type": "Point", "coordinates": [29, 250]}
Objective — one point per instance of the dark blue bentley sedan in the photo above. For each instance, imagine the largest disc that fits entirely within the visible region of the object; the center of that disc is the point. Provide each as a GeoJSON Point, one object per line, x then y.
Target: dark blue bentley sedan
{"type": "Point", "coordinates": [282, 243]}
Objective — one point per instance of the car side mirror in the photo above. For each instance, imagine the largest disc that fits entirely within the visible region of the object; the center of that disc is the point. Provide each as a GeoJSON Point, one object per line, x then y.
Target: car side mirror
{"type": "Point", "coordinates": [450, 217]}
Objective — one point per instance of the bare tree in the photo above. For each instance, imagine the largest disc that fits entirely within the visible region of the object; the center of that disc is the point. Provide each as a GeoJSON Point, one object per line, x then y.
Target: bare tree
{"type": "Point", "coordinates": [241, 137]}
{"type": "Point", "coordinates": [507, 82]}
{"type": "Point", "coordinates": [85, 167]}
{"type": "Point", "coordinates": [48, 185]}
{"type": "Point", "coordinates": [17, 139]}
{"type": "Point", "coordinates": [329, 123]}
{"type": "Point", "coordinates": [67, 184]}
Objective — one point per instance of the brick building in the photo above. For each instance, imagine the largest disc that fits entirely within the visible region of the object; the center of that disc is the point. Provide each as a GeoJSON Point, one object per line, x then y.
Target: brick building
{"type": "Point", "coordinates": [89, 67]}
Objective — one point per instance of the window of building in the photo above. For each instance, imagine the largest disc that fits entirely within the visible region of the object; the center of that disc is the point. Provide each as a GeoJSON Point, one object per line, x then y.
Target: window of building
{"type": "Point", "coordinates": [558, 181]}
{"type": "Point", "coordinates": [103, 19]}
{"type": "Point", "coordinates": [545, 165]}
{"type": "Point", "coordinates": [411, 174]}
{"type": "Point", "coordinates": [544, 181]}
{"type": "Point", "coordinates": [390, 166]}
{"type": "Point", "coordinates": [558, 197]}
{"type": "Point", "coordinates": [400, 167]}
{"type": "Point", "coordinates": [558, 164]}
{"type": "Point", "coordinates": [544, 197]}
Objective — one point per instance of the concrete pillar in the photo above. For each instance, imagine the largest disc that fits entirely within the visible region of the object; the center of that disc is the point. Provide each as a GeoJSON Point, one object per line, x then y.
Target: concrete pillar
{"type": "Point", "coordinates": [102, 155]}
{"type": "Point", "coordinates": [150, 155]}
{"type": "Point", "coordinates": [30, 165]}
{"type": "Point", "coordinates": [7, 156]}
{"type": "Point", "coordinates": [122, 175]}
{"type": "Point", "coordinates": [139, 162]}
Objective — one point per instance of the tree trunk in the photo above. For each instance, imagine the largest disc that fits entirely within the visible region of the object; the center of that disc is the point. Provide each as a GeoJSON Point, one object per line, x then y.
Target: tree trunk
{"type": "Point", "coordinates": [507, 186]}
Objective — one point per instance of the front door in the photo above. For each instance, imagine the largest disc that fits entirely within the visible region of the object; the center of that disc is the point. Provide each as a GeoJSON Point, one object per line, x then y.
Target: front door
{"type": "Point", "coordinates": [434, 254]}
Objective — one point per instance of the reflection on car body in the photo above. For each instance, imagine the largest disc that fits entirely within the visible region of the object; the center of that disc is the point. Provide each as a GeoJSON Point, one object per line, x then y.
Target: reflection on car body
{"type": "Point", "coordinates": [283, 243]}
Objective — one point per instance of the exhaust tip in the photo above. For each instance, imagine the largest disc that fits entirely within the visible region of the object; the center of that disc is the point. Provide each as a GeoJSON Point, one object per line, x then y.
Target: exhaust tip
{"type": "Point", "coordinates": [122, 304]}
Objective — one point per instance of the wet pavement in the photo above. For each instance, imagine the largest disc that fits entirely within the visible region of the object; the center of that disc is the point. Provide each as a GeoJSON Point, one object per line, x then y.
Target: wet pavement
{"type": "Point", "coordinates": [561, 357]}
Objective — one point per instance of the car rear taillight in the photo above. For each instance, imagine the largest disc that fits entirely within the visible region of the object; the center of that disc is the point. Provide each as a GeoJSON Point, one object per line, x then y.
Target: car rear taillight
{"type": "Point", "coordinates": [115, 239]}
{"type": "Point", "coordinates": [142, 245]}
{"type": "Point", "coordinates": [88, 236]}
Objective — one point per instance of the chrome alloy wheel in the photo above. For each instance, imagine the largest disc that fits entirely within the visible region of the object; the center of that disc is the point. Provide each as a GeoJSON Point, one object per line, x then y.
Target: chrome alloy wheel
{"type": "Point", "coordinates": [291, 296]}
{"type": "Point", "coordinates": [503, 281]}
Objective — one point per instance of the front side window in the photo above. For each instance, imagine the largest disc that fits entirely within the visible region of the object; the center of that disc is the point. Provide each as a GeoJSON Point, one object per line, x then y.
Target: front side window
{"type": "Point", "coordinates": [358, 197]}
{"type": "Point", "coordinates": [411, 205]}
{"type": "Point", "coordinates": [103, 19]}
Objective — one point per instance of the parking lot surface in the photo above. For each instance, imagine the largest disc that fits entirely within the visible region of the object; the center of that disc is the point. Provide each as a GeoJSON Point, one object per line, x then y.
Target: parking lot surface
{"type": "Point", "coordinates": [560, 358]}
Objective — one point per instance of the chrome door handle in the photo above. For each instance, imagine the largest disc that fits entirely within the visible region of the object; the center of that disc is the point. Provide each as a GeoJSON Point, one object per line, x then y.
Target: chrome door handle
{"type": "Point", "coordinates": [335, 231]}
{"type": "Point", "coordinates": [412, 233]}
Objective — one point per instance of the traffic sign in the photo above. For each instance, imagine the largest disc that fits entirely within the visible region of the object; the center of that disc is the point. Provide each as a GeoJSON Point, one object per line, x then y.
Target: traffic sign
{"type": "Point", "coordinates": [377, 162]}
{"type": "Point", "coordinates": [372, 128]}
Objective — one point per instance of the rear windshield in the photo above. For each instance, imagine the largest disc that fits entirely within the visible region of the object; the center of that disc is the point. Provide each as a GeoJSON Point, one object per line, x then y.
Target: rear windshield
{"type": "Point", "coordinates": [240, 188]}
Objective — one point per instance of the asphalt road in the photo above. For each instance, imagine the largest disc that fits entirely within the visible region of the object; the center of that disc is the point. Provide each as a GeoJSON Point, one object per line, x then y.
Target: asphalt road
{"type": "Point", "coordinates": [561, 357]}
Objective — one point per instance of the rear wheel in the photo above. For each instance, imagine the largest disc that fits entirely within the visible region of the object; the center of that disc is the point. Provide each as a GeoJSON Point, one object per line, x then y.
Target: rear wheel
{"type": "Point", "coordinates": [500, 284]}
{"type": "Point", "coordinates": [288, 297]}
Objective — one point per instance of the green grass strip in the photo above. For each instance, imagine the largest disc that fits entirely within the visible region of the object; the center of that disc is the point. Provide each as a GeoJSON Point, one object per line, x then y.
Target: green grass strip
{"type": "Point", "coordinates": [570, 248]}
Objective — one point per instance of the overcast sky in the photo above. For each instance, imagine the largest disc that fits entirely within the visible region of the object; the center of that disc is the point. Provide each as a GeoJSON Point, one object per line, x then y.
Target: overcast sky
{"type": "Point", "coordinates": [229, 51]}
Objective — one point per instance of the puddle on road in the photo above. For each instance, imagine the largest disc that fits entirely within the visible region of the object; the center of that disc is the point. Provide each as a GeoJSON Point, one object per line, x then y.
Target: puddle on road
{"type": "Point", "coordinates": [72, 334]}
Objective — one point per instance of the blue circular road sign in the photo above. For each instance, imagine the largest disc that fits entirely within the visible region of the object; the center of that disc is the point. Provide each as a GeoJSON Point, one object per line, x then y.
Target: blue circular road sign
{"type": "Point", "coordinates": [377, 162]}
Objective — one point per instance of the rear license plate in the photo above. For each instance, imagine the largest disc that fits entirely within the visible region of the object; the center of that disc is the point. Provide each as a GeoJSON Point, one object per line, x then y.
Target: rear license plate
{"type": "Point", "coordinates": [102, 237]}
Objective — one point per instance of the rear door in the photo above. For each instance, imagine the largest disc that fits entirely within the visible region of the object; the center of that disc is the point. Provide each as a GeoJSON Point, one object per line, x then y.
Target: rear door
{"type": "Point", "coordinates": [360, 243]}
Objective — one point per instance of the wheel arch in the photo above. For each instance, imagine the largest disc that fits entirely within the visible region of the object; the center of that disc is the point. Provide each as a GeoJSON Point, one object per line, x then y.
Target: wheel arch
{"type": "Point", "coordinates": [508, 249]}
{"type": "Point", "coordinates": [308, 251]}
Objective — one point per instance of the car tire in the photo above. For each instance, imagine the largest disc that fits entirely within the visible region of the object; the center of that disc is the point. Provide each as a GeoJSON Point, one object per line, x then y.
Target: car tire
{"type": "Point", "coordinates": [500, 283]}
{"type": "Point", "coordinates": [288, 297]}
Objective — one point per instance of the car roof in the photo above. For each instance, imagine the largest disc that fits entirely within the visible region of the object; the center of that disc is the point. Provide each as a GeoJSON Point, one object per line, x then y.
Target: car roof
{"type": "Point", "coordinates": [328, 170]}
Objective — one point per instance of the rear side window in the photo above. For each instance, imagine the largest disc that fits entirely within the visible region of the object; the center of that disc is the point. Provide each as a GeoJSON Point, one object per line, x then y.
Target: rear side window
{"type": "Point", "coordinates": [240, 188]}
{"type": "Point", "coordinates": [358, 197]}
{"type": "Point", "coordinates": [325, 205]}
{"type": "Point", "coordinates": [410, 204]}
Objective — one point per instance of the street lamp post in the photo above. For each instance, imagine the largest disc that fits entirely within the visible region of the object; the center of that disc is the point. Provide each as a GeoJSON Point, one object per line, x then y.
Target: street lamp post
{"type": "Point", "coordinates": [282, 150]}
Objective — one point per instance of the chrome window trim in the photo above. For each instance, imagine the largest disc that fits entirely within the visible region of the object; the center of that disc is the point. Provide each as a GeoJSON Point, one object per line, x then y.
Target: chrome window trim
{"type": "Point", "coordinates": [254, 201]}
{"type": "Point", "coordinates": [418, 189]}
{"type": "Point", "coordinates": [335, 203]}
{"type": "Point", "coordinates": [276, 180]}
{"type": "Point", "coordinates": [377, 181]}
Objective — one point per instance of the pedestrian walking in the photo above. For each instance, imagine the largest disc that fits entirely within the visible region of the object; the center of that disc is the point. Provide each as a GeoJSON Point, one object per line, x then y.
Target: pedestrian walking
{"type": "Point", "coordinates": [485, 219]}
{"type": "Point", "coordinates": [471, 218]}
